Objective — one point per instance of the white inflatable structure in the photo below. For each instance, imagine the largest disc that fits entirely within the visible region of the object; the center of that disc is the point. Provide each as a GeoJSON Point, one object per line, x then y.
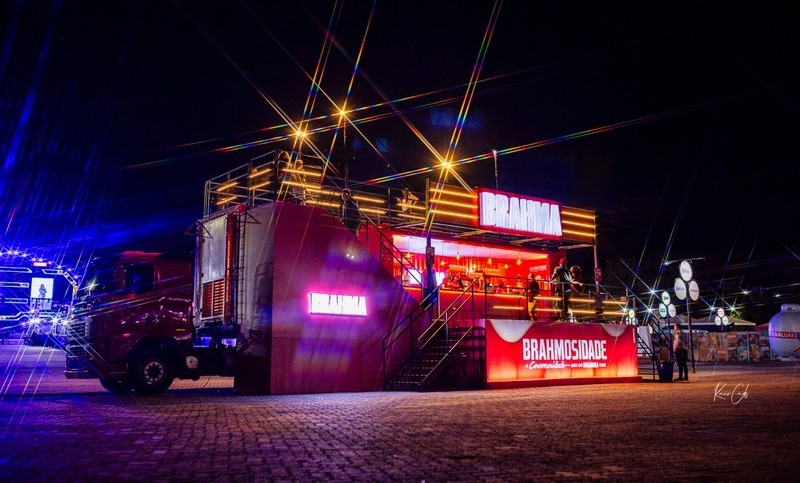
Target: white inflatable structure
{"type": "Point", "coordinates": [784, 333]}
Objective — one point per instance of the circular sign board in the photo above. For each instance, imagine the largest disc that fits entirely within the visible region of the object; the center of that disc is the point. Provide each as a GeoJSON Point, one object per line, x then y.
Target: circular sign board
{"type": "Point", "coordinates": [662, 310]}
{"type": "Point", "coordinates": [665, 297]}
{"type": "Point", "coordinates": [717, 320]}
{"type": "Point", "coordinates": [726, 320]}
{"type": "Point", "coordinates": [680, 289]}
{"type": "Point", "coordinates": [686, 270]}
{"type": "Point", "coordinates": [720, 312]}
{"type": "Point", "coordinates": [671, 310]}
{"type": "Point", "coordinates": [694, 291]}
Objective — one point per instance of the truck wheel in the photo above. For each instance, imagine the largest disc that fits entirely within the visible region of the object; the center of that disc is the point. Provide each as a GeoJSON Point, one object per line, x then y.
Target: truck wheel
{"type": "Point", "coordinates": [151, 373]}
{"type": "Point", "coordinates": [115, 386]}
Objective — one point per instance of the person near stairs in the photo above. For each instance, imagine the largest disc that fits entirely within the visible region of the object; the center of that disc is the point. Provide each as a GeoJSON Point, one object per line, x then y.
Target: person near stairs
{"type": "Point", "coordinates": [681, 358]}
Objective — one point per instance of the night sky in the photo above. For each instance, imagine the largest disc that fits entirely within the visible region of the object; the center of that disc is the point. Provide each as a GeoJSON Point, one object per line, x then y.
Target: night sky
{"type": "Point", "coordinates": [677, 123]}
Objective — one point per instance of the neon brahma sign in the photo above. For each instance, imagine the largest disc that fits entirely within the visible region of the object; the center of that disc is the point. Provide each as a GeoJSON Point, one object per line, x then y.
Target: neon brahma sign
{"type": "Point", "coordinates": [330, 304]}
{"type": "Point", "coordinates": [511, 213]}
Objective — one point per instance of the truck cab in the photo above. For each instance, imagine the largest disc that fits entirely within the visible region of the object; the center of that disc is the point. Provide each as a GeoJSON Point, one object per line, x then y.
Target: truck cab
{"type": "Point", "coordinates": [132, 322]}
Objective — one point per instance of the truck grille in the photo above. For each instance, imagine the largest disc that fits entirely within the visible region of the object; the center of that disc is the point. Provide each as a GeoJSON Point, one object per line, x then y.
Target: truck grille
{"type": "Point", "coordinates": [78, 330]}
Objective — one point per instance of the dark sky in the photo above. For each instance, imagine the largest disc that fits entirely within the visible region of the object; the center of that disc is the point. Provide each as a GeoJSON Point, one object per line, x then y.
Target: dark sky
{"type": "Point", "coordinates": [676, 122]}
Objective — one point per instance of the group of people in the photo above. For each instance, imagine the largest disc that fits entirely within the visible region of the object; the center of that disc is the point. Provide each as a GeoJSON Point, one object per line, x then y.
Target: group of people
{"type": "Point", "coordinates": [295, 175]}
{"type": "Point", "coordinates": [564, 281]}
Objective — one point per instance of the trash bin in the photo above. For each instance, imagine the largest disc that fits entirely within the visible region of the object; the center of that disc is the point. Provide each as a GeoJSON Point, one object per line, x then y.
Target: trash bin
{"type": "Point", "coordinates": [665, 370]}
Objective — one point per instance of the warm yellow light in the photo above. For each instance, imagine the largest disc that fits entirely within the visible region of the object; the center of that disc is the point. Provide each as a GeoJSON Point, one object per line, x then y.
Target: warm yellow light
{"type": "Point", "coordinates": [322, 203]}
{"type": "Point", "coordinates": [519, 261]}
{"type": "Point", "coordinates": [368, 199]}
{"type": "Point", "coordinates": [581, 225]}
{"type": "Point", "coordinates": [229, 184]}
{"type": "Point", "coordinates": [489, 261]}
{"type": "Point", "coordinates": [372, 211]}
{"type": "Point", "coordinates": [577, 215]}
{"type": "Point", "coordinates": [452, 213]}
{"type": "Point", "coordinates": [257, 173]}
{"type": "Point", "coordinates": [300, 134]}
{"type": "Point", "coordinates": [463, 194]}
{"type": "Point", "coordinates": [452, 203]}
{"type": "Point", "coordinates": [582, 312]}
{"type": "Point", "coordinates": [578, 233]}
{"type": "Point", "coordinates": [507, 307]}
{"type": "Point", "coordinates": [226, 200]}
{"type": "Point", "coordinates": [260, 185]}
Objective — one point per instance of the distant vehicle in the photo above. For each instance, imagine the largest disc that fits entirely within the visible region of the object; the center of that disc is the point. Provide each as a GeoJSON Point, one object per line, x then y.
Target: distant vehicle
{"type": "Point", "coordinates": [35, 298]}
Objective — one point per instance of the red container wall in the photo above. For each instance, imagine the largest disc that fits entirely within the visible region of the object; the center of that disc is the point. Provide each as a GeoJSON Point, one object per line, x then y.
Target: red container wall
{"type": "Point", "coordinates": [328, 353]}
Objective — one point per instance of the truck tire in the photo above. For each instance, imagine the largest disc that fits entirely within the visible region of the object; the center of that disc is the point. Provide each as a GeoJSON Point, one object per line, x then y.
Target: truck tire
{"type": "Point", "coordinates": [115, 386]}
{"type": "Point", "coordinates": [151, 373]}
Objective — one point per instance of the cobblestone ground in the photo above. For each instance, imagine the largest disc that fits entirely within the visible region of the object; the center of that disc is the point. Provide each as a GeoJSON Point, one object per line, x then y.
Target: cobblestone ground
{"type": "Point", "coordinates": [728, 423]}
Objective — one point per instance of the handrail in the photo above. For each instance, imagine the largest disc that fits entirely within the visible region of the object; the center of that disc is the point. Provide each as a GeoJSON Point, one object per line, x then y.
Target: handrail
{"type": "Point", "coordinates": [420, 346]}
{"type": "Point", "coordinates": [405, 324]}
{"type": "Point", "coordinates": [421, 340]}
{"type": "Point", "coordinates": [446, 356]}
{"type": "Point", "coordinates": [393, 250]}
{"type": "Point", "coordinates": [401, 327]}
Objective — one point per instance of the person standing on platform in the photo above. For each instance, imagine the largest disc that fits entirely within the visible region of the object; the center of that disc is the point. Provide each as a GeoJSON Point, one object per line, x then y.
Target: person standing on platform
{"type": "Point", "coordinates": [577, 279]}
{"type": "Point", "coordinates": [561, 281]}
{"type": "Point", "coordinates": [298, 178]}
{"type": "Point", "coordinates": [349, 213]}
{"type": "Point", "coordinates": [407, 199]}
{"type": "Point", "coordinates": [681, 358]}
{"type": "Point", "coordinates": [533, 292]}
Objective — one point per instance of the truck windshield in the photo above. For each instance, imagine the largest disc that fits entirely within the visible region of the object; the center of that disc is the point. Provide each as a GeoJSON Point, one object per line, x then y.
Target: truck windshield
{"type": "Point", "coordinates": [105, 278]}
{"type": "Point", "coordinates": [99, 279]}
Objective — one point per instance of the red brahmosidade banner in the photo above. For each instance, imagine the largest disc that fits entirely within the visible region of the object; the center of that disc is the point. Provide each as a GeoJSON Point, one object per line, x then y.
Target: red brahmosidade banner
{"type": "Point", "coordinates": [519, 350]}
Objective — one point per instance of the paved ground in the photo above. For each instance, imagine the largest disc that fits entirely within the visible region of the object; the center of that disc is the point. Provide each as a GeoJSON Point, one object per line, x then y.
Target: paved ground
{"type": "Point", "coordinates": [729, 423]}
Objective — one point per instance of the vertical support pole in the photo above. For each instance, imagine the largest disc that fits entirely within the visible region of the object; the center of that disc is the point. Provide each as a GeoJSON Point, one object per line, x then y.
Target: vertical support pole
{"type": "Point", "coordinates": [276, 166]}
{"type": "Point", "coordinates": [691, 338]}
{"type": "Point", "coordinates": [496, 182]}
{"type": "Point", "coordinates": [598, 307]}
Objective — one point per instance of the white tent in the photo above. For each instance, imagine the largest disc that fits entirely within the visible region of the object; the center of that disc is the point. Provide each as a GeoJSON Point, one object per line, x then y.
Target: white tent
{"type": "Point", "coordinates": [708, 322]}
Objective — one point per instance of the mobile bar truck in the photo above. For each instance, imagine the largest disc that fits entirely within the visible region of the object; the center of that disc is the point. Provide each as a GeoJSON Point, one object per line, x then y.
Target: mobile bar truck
{"type": "Point", "coordinates": [282, 296]}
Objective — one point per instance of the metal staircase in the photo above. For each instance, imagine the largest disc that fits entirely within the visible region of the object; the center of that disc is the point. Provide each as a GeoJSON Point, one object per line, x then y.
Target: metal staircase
{"type": "Point", "coordinates": [442, 357]}
{"type": "Point", "coordinates": [651, 353]}
{"type": "Point", "coordinates": [440, 363]}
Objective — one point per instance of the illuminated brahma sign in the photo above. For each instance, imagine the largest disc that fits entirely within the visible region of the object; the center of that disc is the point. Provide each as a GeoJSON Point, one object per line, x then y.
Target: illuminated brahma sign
{"type": "Point", "coordinates": [329, 304]}
{"type": "Point", "coordinates": [511, 213]}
